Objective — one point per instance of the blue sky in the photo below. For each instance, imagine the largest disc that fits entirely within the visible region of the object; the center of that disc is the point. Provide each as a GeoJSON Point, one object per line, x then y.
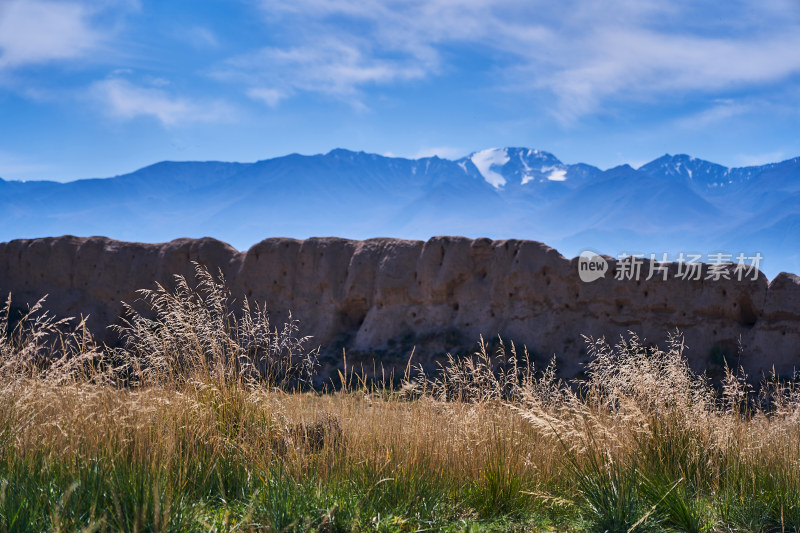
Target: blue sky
{"type": "Point", "coordinates": [103, 87]}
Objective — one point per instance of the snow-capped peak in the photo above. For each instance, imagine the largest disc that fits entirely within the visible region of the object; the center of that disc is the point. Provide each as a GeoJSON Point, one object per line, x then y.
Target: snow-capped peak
{"type": "Point", "coordinates": [486, 159]}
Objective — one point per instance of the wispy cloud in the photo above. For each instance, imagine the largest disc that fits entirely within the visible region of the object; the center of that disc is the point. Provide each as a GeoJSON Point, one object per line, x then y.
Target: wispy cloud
{"type": "Point", "coordinates": [198, 37]}
{"type": "Point", "coordinates": [267, 95]}
{"type": "Point", "coordinates": [39, 31]}
{"type": "Point", "coordinates": [642, 64]}
{"type": "Point", "coordinates": [341, 49]}
{"type": "Point", "coordinates": [335, 65]}
{"type": "Point", "coordinates": [125, 100]}
{"type": "Point", "coordinates": [720, 111]}
{"type": "Point", "coordinates": [582, 54]}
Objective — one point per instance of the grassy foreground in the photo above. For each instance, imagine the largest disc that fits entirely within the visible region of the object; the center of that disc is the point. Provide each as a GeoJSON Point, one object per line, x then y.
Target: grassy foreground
{"type": "Point", "coordinates": [197, 424]}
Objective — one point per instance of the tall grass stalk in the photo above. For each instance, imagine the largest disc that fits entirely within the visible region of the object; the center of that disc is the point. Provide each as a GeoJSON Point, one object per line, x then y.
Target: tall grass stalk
{"type": "Point", "coordinates": [205, 419]}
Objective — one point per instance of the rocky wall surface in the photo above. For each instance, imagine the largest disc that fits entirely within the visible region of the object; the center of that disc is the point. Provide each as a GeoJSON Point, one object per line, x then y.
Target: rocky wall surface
{"type": "Point", "coordinates": [382, 297]}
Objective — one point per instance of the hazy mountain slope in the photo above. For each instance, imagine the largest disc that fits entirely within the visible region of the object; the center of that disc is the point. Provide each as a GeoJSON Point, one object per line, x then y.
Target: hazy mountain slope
{"type": "Point", "coordinates": [674, 203]}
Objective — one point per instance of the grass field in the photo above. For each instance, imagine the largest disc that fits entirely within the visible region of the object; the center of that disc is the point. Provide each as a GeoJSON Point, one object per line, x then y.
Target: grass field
{"type": "Point", "coordinates": [204, 422]}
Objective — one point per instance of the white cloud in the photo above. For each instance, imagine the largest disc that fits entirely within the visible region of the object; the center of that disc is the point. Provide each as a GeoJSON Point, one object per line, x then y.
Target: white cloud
{"type": "Point", "coordinates": [334, 65]}
{"type": "Point", "coordinates": [38, 31]}
{"type": "Point", "coordinates": [583, 54]}
{"type": "Point", "coordinates": [125, 100]}
{"type": "Point", "coordinates": [645, 63]}
{"type": "Point", "coordinates": [340, 48]}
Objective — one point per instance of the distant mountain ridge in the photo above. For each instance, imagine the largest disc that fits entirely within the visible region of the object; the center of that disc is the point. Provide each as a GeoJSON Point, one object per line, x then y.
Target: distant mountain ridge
{"type": "Point", "coordinates": [676, 203]}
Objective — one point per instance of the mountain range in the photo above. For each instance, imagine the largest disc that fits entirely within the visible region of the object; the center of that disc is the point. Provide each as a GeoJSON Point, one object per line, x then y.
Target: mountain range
{"type": "Point", "coordinates": [673, 204]}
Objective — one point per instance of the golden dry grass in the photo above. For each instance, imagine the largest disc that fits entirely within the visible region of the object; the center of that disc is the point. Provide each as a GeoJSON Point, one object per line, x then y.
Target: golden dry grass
{"type": "Point", "coordinates": [199, 423]}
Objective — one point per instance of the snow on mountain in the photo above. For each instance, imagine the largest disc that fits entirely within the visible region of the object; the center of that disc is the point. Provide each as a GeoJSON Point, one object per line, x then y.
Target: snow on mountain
{"type": "Point", "coordinates": [537, 166]}
{"type": "Point", "coordinates": [558, 174]}
{"type": "Point", "coordinates": [527, 171]}
{"type": "Point", "coordinates": [485, 160]}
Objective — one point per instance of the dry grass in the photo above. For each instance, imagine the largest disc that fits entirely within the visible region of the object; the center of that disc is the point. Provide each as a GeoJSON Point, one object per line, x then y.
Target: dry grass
{"type": "Point", "coordinates": [200, 423]}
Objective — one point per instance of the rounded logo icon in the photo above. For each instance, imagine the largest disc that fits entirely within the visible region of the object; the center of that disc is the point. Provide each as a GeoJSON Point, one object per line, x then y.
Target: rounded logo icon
{"type": "Point", "coordinates": [591, 266]}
